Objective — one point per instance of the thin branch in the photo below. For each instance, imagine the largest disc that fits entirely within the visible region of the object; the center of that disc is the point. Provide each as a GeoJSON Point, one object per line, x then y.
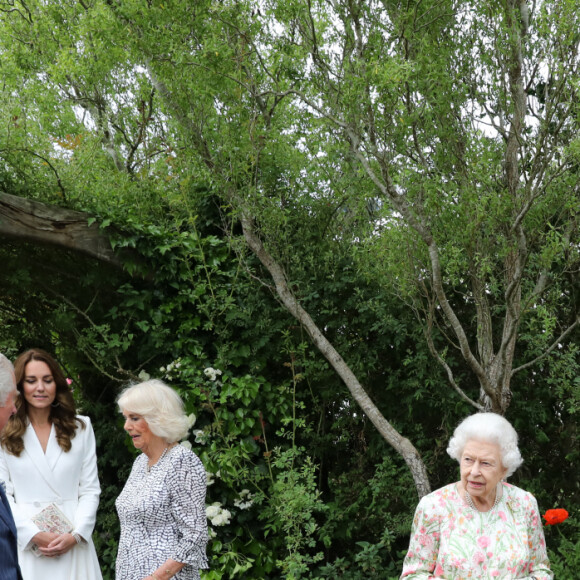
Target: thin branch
{"type": "Point", "coordinates": [443, 363]}
{"type": "Point", "coordinates": [50, 165]}
{"type": "Point", "coordinates": [389, 433]}
{"type": "Point", "coordinates": [558, 341]}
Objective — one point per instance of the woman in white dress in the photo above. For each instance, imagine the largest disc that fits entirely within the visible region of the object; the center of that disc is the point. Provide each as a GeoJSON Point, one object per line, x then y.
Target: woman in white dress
{"type": "Point", "coordinates": [162, 506]}
{"type": "Point", "coordinates": [48, 459]}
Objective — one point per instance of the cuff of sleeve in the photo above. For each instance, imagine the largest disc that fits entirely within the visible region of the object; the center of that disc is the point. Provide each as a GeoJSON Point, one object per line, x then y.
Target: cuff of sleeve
{"type": "Point", "coordinates": [79, 539]}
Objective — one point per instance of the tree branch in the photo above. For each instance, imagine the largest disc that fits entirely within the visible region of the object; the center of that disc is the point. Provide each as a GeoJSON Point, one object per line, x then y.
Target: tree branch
{"type": "Point", "coordinates": [38, 222]}
{"type": "Point", "coordinates": [443, 363]}
{"type": "Point", "coordinates": [558, 341]}
{"type": "Point", "coordinates": [399, 443]}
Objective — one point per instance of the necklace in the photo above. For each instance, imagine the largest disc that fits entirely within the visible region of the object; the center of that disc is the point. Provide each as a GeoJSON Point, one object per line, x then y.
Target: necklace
{"type": "Point", "coordinates": [497, 498]}
{"type": "Point", "coordinates": [160, 458]}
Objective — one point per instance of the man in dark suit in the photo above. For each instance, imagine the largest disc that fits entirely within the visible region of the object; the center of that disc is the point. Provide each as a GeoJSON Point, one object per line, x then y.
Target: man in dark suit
{"type": "Point", "coordinates": [9, 569]}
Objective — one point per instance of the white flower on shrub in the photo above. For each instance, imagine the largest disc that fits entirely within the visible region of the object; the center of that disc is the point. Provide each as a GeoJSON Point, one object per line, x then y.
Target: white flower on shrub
{"type": "Point", "coordinates": [173, 365]}
{"type": "Point", "coordinates": [172, 369]}
{"type": "Point", "coordinates": [144, 376]}
{"type": "Point", "coordinates": [212, 373]}
{"type": "Point", "coordinates": [211, 533]}
{"type": "Point", "coordinates": [222, 519]}
{"type": "Point", "coordinates": [217, 515]}
{"type": "Point", "coordinates": [245, 500]}
{"type": "Point", "coordinates": [191, 419]}
{"type": "Point", "coordinates": [186, 444]}
{"type": "Point", "coordinates": [209, 478]}
{"type": "Point", "coordinates": [211, 511]}
{"type": "Point", "coordinates": [201, 436]}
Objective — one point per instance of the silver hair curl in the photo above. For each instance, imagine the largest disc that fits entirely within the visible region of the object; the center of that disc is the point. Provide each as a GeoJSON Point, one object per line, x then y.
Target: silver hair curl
{"type": "Point", "coordinates": [159, 405]}
{"type": "Point", "coordinates": [489, 428]}
{"type": "Point", "coordinates": [7, 381]}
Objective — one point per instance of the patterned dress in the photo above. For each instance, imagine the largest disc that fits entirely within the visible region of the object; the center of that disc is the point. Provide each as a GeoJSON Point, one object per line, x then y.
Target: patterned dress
{"type": "Point", "coordinates": [162, 514]}
{"type": "Point", "coordinates": [451, 540]}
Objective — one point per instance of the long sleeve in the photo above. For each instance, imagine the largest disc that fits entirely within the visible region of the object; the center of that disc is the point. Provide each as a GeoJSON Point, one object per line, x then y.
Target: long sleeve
{"type": "Point", "coordinates": [26, 528]}
{"type": "Point", "coordinates": [89, 489]}
{"type": "Point", "coordinates": [421, 558]}
{"type": "Point", "coordinates": [187, 484]}
{"type": "Point", "coordinates": [539, 564]}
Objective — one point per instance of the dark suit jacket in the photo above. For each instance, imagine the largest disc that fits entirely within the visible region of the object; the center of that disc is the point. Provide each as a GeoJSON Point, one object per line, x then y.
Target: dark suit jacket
{"type": "Point", "coordinates": [9, 569]}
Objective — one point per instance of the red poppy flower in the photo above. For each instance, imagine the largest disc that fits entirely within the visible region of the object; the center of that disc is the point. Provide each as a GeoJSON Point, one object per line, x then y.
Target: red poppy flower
{"type": "Point", "coordinates": [556, 516]}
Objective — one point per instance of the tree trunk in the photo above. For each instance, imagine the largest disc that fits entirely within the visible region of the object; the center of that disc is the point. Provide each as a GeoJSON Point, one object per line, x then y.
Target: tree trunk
{"type": "Point", "coordinates": [402, 445]}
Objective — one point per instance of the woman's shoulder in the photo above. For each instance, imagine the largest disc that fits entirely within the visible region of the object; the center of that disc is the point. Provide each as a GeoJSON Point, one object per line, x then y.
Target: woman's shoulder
{"type": "Point", "coordinates": [84, 424]}
{"type": "Point", "coordinates": [518, 497]}
{"type": "Point", "coordinates": [514, 491]}
{"type": "Point", "coordinates": [180, 452]}
{"type": "Point", "coordinates": [182, 457]}
{"type": "Point", "coordinates": [445, 494]}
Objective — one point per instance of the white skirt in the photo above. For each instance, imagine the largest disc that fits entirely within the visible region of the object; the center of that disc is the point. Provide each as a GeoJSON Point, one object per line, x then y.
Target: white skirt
{"type": "Point", "coordinates": [79, 563]}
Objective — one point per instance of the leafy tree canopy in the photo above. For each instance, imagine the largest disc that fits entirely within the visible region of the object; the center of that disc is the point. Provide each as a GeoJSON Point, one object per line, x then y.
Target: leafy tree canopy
{"type": "Point", "coordinates": [405, 176]}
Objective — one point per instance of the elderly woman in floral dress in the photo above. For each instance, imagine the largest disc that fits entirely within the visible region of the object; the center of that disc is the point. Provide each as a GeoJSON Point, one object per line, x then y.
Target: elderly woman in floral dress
{"type": "Point", "coordinates": [479, 527]}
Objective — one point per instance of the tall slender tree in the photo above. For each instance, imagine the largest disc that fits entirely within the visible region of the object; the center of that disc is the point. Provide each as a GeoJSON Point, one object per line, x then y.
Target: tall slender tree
{"type": "Point", "coordinates": [441, 134]}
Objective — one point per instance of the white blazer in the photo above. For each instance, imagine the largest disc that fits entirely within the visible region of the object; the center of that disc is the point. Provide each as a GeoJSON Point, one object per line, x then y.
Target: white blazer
{"type": "Point", "coordinates": [69, 480]}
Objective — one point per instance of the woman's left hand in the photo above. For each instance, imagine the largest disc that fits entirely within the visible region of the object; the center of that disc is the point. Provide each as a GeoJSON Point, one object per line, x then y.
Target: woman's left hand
{"type": "Point", "coordinates": [59, 546]}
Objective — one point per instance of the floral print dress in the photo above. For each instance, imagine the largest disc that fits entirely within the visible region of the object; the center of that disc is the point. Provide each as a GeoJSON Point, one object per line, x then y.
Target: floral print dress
{"type": "Point", "coordinates": [451, 540]}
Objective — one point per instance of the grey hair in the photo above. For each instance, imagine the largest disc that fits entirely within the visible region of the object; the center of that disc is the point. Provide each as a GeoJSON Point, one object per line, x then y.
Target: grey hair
{"type": "Point", "coordinates": [7, 380]}
{"type": "Point", "coordinates": [490, 428]}
{"type": "Point", "coordinates": [159, 405]}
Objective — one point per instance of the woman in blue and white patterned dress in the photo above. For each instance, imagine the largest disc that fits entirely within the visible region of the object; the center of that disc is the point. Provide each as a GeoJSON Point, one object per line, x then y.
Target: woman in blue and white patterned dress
{"type": "Point", "coordinates": [162, 506]}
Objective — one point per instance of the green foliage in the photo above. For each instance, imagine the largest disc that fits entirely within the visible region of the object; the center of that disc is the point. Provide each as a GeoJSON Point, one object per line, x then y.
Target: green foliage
{"type": "Point", "coordinates": [564, 548]}
{"type": "Point", "coordinates": [370, 561]}
{"type": "Point", "coordinates": [167, 120]}
{"type": "Point", "coordinates": [291, 510]}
